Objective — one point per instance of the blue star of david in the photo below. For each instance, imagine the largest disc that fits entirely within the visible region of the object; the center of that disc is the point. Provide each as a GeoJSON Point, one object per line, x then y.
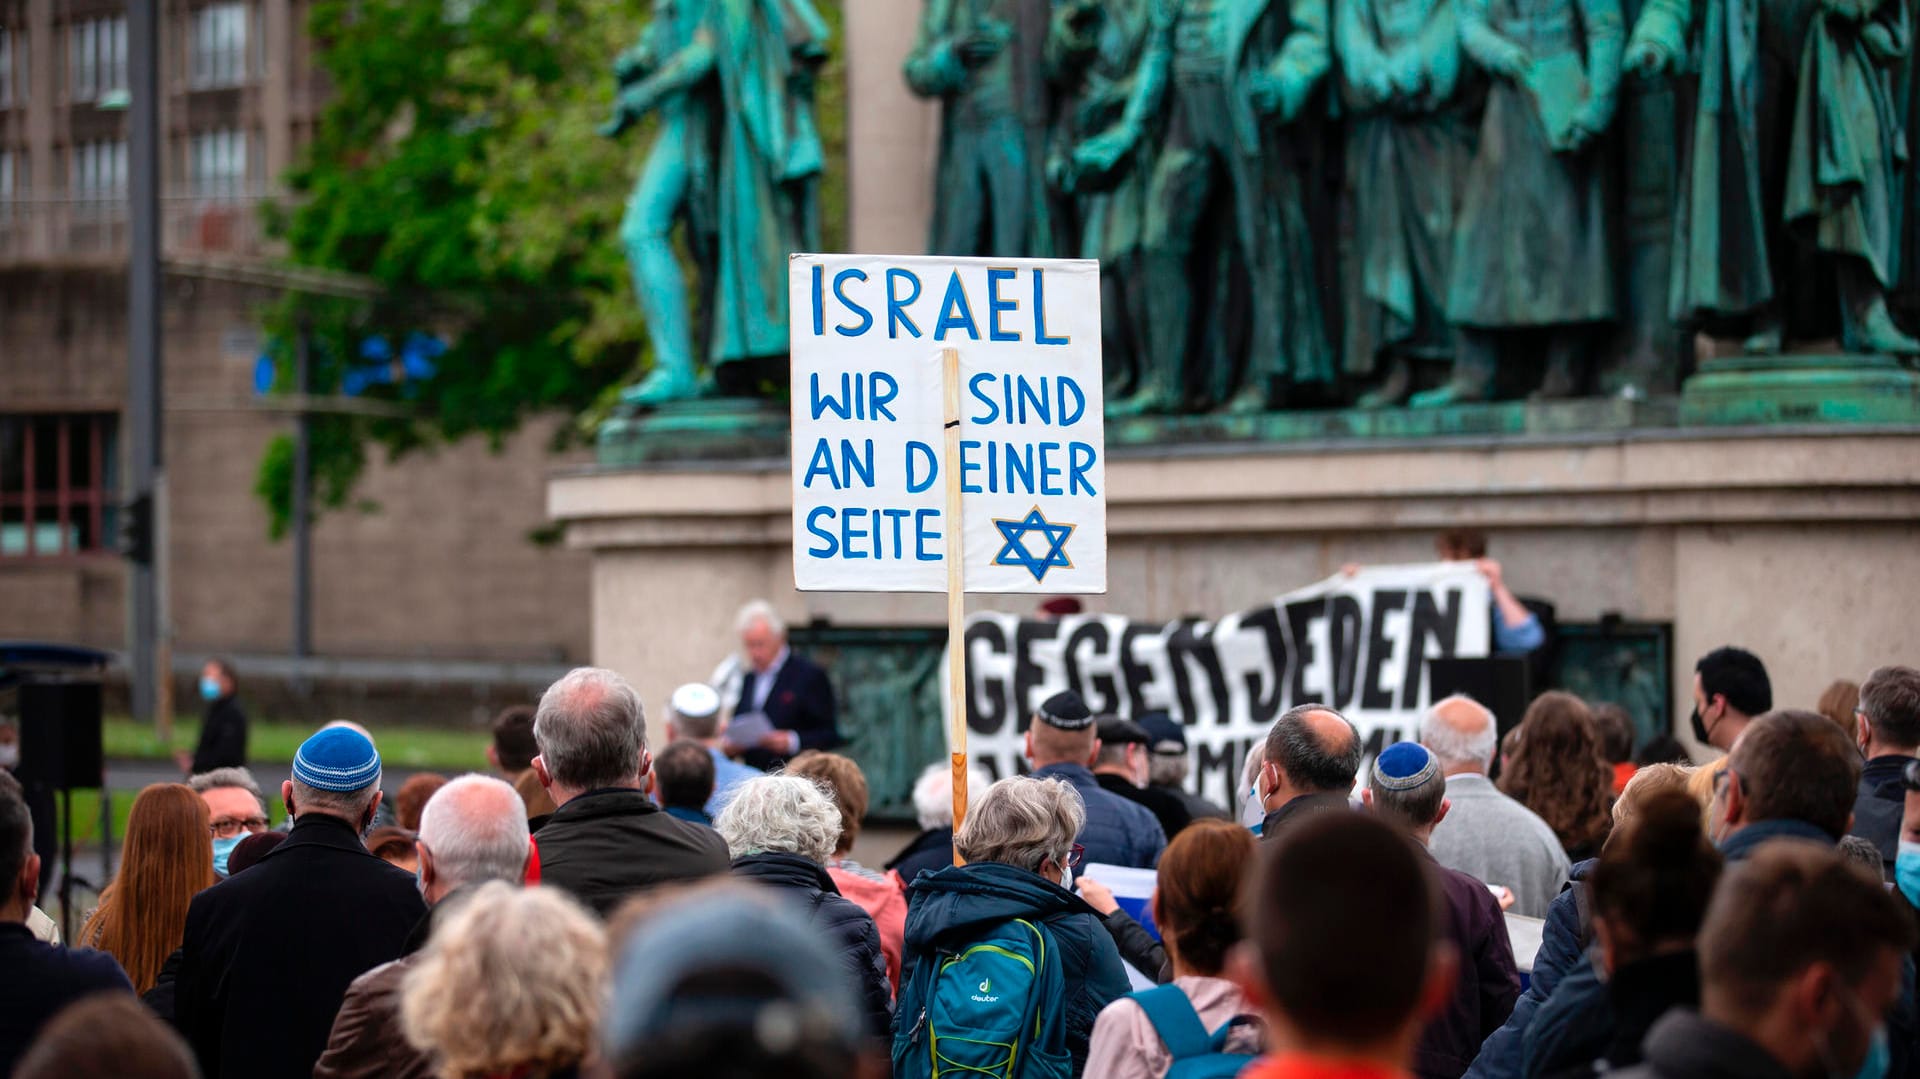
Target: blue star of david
{"type": "Point", "coordinates": [1015, 552]}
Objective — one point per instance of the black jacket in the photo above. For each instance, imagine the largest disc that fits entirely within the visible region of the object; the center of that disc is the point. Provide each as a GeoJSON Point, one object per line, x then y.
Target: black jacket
{"type": "Point", "coordinates": [1878, 808]}
{"type": "Point", "coordinates": [1685, 1045]}
{"type": "Point", "coordinates": [39, 980]}
{"type": "Point", "coordinates": [801, 701]}
{"type": "Point", "coordinates": [1165, 806]}
{"type": "Point", "coordinates": [223, 737]}
{"type": "Point", "coordinates": [606, 845]}
{"type": "Point", "coordinates": [268, 954]}
{"type": "Point", "coordinates": [930, 850]}
{"type": "Point", "coordinates": [847, 928]}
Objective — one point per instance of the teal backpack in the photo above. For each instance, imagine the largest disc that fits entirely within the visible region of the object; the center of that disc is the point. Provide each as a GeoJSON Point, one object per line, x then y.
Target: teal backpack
{"type": "Point", "coordinates": [994, 1007]}
{"type": "Point", "coordinates": [1196, 1054]}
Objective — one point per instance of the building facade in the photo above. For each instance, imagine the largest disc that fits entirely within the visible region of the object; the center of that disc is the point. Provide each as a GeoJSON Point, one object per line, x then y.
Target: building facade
{"type": "Point", "coordinates": [433, 577]}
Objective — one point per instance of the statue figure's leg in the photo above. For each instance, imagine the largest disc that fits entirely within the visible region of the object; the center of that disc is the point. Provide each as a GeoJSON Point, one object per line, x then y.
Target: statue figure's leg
{"type": "Point", "coordinates": [1867, 324]}
{"type": "Point", "coordinates": [1007, 191]}
{"type": "Point", "coordinates": [1176, 202]}
{"type": "Point", "coordinates": [647, 234]}
{"type": "Point", "coordinates": [1566, 353]}
{"type": "Point", "coordinates": [1474, 364]}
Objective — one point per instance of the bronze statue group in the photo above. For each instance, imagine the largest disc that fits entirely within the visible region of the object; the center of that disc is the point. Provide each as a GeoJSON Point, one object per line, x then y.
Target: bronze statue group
{"type": "Point", "coordinates": [1304, 203]}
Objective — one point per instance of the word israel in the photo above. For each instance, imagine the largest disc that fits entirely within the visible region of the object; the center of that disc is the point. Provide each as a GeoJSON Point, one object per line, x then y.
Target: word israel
{"type": "Point", "coordinates": [1359, 643]}
{"type": "Point", "coordinates": [870, 398]}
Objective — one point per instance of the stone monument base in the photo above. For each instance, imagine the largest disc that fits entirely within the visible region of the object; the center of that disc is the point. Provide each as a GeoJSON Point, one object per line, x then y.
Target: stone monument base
{"type": "Point", "coordinates": [1801, 543]}
{"type": "Point", "coordinates": [702, 429]}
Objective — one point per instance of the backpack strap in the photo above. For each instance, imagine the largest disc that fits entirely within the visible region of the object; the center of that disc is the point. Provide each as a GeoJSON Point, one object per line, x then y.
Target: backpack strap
{"type": "Point", "coordinates": [1173, 1018]}
{"type": "Point", "coordinates": [1218, 1041]}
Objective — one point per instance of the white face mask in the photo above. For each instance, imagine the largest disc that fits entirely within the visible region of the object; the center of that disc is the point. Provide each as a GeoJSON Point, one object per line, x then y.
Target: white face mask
{"type": "Point", "coordinates": [1254, 810]}
{"type": "Point", "coordinates": [10, 755]}
{"type": "Point", "coordinates": [1066, 878]}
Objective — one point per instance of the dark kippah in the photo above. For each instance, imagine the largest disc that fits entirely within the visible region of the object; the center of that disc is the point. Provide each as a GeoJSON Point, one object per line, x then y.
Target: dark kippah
{"type": "Point", "coordinates": [1066, 711]}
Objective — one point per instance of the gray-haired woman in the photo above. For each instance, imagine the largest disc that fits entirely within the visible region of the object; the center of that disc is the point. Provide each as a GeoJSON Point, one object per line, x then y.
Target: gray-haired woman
{"type": "Point", "coordinates": [781, 830]}
{"type": "Point", "coordinates": [1018, 844]}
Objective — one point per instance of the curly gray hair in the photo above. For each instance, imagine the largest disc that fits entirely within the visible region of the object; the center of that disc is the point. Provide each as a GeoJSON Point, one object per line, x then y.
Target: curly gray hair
{"type": "Point", "coordinates": [780, 814]}
{"type": "Point", "coordinates": [1022, 822]}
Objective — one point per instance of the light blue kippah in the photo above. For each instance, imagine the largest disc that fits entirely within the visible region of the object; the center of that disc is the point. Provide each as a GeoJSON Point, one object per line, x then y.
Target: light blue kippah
{"type": "Point", "coordinates": [337, 759]}
{"type": "Point", "coordinates": [1403, 766]}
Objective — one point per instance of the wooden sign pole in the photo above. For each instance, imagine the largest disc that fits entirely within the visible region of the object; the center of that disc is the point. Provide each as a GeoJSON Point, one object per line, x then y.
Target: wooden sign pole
{"type": "Point", "coordinates": [956, 593]}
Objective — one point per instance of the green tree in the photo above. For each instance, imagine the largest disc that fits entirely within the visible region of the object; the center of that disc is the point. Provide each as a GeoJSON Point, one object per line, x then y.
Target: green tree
{"type": "Point", "coordinates": [456, 165]}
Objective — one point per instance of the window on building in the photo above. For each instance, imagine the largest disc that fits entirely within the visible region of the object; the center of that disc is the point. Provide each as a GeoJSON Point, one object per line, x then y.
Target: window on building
{"type": "Point", "coordinates": [57, 475]}
{"type": "Point", "coordinates": [97, 176]}
{"type": "Point", "coordinates": [218, 164]}
{"type": "Point", "coordinates": [6, 67]}
{"type": "Point", "coordinates": [219, 46]}
{"type": "Point", "coordinates": [96, 58]}
{"type": "Point", "coordinates": [6, 176]}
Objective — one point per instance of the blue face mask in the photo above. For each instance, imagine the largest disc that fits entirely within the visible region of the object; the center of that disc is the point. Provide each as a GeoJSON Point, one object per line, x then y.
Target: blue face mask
{"type": "Point", "coordinates": [1879, 1056]}
{"type": "Point", "coordinates": [209, 689]}
{"type": "Point", "coordinates": [221, 849]}
{"type": "Point", "coordinates": [1906, 871]}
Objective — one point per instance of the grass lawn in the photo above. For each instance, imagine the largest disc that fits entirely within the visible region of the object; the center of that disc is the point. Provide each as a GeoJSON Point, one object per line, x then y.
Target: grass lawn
{"type": "Point", "coordinates": [86, 815]}
{"type": "Point", "coordinates": [400, 747]}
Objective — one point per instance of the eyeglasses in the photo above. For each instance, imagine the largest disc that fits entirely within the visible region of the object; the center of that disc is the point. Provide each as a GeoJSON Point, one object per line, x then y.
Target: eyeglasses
{"type": "Point", "coordinates": [228, 827]}
{"type": "Point", "coordinates": [1075, 855]}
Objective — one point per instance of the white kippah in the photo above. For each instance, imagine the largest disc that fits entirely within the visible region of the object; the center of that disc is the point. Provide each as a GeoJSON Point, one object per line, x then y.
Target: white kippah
{"type": "Point", "coordinates": [696, 700]}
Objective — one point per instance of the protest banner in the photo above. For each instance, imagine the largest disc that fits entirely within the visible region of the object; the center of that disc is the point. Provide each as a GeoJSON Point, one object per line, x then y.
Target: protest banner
{"type": "Point", "coordinates": [1358, 643]}
{"type": "Point", "coordinates": [948, 433]}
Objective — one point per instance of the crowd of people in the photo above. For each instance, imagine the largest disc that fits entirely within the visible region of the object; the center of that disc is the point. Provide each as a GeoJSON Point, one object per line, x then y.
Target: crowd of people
{"type": "Point", "coordinates": [594, 906]}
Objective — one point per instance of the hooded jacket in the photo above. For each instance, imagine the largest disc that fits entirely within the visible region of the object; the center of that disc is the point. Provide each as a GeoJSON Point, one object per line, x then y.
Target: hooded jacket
{"type": "Point", "coordinates": [949, 907]}
{"type": "Point", "coordinates": [839, 920]}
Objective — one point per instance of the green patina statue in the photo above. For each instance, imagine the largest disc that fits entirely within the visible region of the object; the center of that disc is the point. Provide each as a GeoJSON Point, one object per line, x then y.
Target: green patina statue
{"type": "Point", "coordinates": [1215, 85]}
{"type": "Point", "coordinates": [1793, 156]}
{"type": "Point", "coordinates": [1533, 251]}
{"type": "Point", "coordinates": [736, 161]}
{"type": "Point", "coordinates": [984, 59]}
{"type": "Point", "coordinates": [1093, 48]}
{"type": "Point", "coordinates": [1410, 138]}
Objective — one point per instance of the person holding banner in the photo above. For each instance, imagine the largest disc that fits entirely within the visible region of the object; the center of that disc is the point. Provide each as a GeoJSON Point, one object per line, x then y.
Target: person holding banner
{"type": "Point", "coordinates": [1062, 744]}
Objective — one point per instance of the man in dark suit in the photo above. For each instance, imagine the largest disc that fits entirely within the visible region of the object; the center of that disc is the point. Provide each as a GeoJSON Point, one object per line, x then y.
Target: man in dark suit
{"type": "Point", "coordinates": [790, 690]}
{"type": "Point", "coordinates": [268, 954]}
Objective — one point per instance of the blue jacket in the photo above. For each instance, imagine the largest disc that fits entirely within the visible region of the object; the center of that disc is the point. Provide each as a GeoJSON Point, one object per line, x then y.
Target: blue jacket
{"type": "Point", "coordinates": [1563, 946]}
{"type": "Point", "coordinates": [1118, 832]}
{"type": "Point", "coordinates": [948, 907]}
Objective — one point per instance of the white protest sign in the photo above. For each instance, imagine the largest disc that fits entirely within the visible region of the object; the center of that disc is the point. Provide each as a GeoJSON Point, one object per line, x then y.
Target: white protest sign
{"type": "Point", "coordinates": [1359, 643]}
{"type": "Point", "coordinates": [868, 334]}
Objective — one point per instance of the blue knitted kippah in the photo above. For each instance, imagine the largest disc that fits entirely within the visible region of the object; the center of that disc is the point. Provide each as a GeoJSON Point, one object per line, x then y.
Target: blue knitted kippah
{"type": "Point", "coordinates": [337, 759]}
{"type": "Point", "coordinates": [1403, 766]}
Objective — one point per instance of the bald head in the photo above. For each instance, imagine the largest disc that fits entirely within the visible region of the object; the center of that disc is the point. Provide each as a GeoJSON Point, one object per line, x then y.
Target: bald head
{"type": "Point", "coordinates": [591, 734]}
{"type": "Point", "coordinates": [1315, 750]}
{"type": "Point", "coordinates": [1462, 735]}
{"type": "Point", "coordinates": [473, 829]}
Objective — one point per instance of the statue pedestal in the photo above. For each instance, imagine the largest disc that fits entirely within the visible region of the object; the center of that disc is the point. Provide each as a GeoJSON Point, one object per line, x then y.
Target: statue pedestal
{"type": "Point", "coordinates": [702, 429]}
{"type": "Point", "coordinates": [1801, 543]}
{"type": "Point", "coordinates": [1740, 390]}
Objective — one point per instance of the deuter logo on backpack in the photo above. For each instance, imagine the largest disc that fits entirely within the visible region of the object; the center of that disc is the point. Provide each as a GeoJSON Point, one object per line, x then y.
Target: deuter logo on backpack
{"type": "Point", "coordinates": [990, 1008]}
